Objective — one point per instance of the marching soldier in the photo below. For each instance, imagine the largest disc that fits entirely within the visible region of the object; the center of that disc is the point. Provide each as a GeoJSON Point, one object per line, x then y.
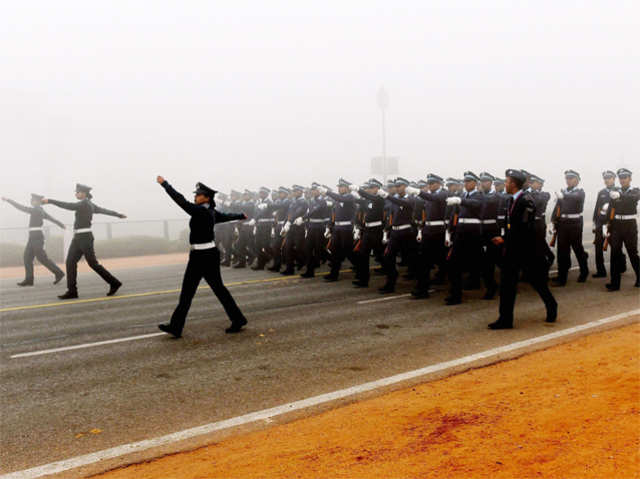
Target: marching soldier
{"type": "Point", "coordinates": [541, 200]}
{"type": "Point", "coordinates": [432, 234]}
{"type": "Point", "coordinates": [82, 243]}
{"type": "Point", "coordinates": [466, 237]}
{"type": "Point", "coordinates": [519, 249]}
{"type": "Point", "coordinates": [244, 246]}
{"type": "Point", "coordinates": [35, 244]}
{"type": "Point", "coordinates": [263, 226]}
{"type": "Point", "coordinates": [344, 210]}
{"type": "Point", "coordinates": [316, 218]}
{"type": "Point", "coordinates": [230, 206]}
{"type": "Point", "coordinates": [372, 206]}
{"type": "Point", "coordinates": [204, 257]}
{"type": "Point", "coordinates": [623, 229]}
{"type": "Point", "coordinates": [293, 231]}
{"type": "Point", "coordinates": [567, 215]}
{"type": "Point", "coordinates": [490, 229]}
{"type": "Point", "coordinates": [498, 184]}
{"type": "Point", "coordinates": [600, 219]}
{"type": "Point", "coordinates": [402, 238]}
{"type": "Point", "coordinates": [280, 212]}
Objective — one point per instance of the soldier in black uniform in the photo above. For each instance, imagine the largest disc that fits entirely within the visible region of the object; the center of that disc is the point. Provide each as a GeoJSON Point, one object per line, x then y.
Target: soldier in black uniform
{"type": "Point", "coordinates": [244, 245]}
{"type": "Point", "coordinates": [204, 257]}
{"type": "Point", "coordinates": [280, 212]}
{"type": "Point", "coordinates": [82, 243]}
{"type": "Point", "coordinates": [293, 231]}
{"type": "Point", "coordinates": [316, 219]}
{"type": "Point", "coordinates": [490, 229]}
{"type": "Point", "coordinates": [372, 207]}
{"type": "Point", "coordinates": [466, 237]}
{"type": "Point", "coordinates": [263, 226]}
{"type": "Point", "coordinates": [567, 215]}
{"type": "Point", "coordinates": [520, 252]}
{"type": "Point", "coordinates": [35, 244]}
{"type": "Point", "coordinates": [623, 228]}
{"type": "Point", "coordinates": [498, 184]}
{"type": "Point", "coordinates": [344, 211]}
{"type": "Point", "coordinates": [541, 200]}
{"type": "Point", "coordinates": [600, 219]}
{"type": "Point", "coordinates": [432, 234]}
{"type": "Point", "coordinates": [402, 239]}
{"type": "Point", "coordinates": [230, 206]}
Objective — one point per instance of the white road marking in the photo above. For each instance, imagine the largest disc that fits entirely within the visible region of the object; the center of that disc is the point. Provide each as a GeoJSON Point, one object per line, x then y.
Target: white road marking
{"type": "Point", "coordinates": [85, 345]}
{"type": "Point", "coordinates": [265, 414]}
{"type": "Point", "coordinates": [386, 298]}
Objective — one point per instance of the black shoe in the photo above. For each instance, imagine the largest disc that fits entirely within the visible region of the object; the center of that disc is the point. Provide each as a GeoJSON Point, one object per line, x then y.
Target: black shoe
{"type": "Point", "coordinates": [387, 289]}
{"type": "Point", "coordinates": [451, 300]}
{"type": "Point", "coordinates": [419, 294]}
{"type": "Point", "coordinates": [559, 282]}
{"type": "Point", "coordinates": [612, 287]}
{"type": "Point", "coordinates": [167, 329]}
{"type": "Point", "coordinates": [583, 277]}
{"type": "Point", "coordinates": [58, 278]}
{"type": "Point", "coordinates": [599, 274]}
{"type": "Point", "coordinates": [274, 269]}
{"type": "Point", "coordinates": [331, 278]}
{"type": "Point", "coordinates": [236, 326]}
{"type": "Point", "coordinates": [114, 287]}
{"type": "Point", "coordinates": [239, 265]}
{"type": "Point", "coordinates": [226, 263]}
{"type": "Point", "coordinates": [308, 274]}
{"type": "Point", "coordinates": [379, 271]}
{"type": "Point", "coordinates": [288, 272]}
{"type": "Point", "coordinates": [25, 283]}
{"type": "Point", "coordinates": [360, 284]}
{"type": "Point", "coordinates": [471, 286]}
{"type": "Point", "coordinates": [500, 325]}
{"type": "Point", "coordinates": [552, 314]}
{"type": "Point", "coordinates": [257, 268]}
{"type": "Point", "coordinates": [490, 293]}
{"type": "Point", "coordinates": [69, 295]}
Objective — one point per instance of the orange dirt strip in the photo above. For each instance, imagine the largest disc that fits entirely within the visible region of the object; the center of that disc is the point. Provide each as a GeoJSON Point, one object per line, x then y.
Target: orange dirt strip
{"type": "Point", "coordinates": [571, 411]}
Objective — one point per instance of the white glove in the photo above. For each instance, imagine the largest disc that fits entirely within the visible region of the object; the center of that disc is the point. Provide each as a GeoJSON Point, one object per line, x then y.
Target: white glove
{"type": "Point", "coordinates": [559, 194]}
{"type": "Point", "coordinates": [255, 228]}
{"type": "Point", "coordinates": [322, 190]}
{"type": "Point", "coordinates": [227, 203]}
{"type": "Point", "coordinates": [298, 221]}
{"type": "Point", "coordinates": [285, 228]}
{"type": "Point", "coordinates": [454, 200]}
{"type": "Point", "coordinates": [355, 195]}
{"type": "Point", "coordinates": [385, 237]}
{"type": "Point", "coordinates": [262, 206]}
{"type": "Point", "coordinates": [447, 238]}
{"type": "Point", "coordinates": [356, 234]}
{"type": "Point", "coordinates": [327, 233]}
{"type": "Point", "coordinates": [382, 193]}
{"type": "Point", "coordinates": [273, 232]}
{"type": "Point", "coordinates": [353, 188]}
{"type": "Point", "coordinates": [251, 222]}
{"type": "Point", "coordinates": [412, 191]}
{"type": "Point", "coordinates": [329, 203]}
{"type": "Point", "coordinates": [614, 195]}
{"type": "Point", "coordinates": [419, 237]}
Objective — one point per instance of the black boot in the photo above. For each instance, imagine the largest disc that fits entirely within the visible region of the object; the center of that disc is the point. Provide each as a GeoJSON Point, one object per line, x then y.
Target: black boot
{"type": "Point", "coordinates": [387, 288]}
{"type": "Point", "coordinates": [288, 272]}
{"type": "Point", "coordinates": [25, 283]}
{"type": "Point", "coordinates": [599, 274]}
{"type": "Point", "coordinates": [169, 330]}
{"type": "Point", "coordinates": [308, 274]}
{"type": "Point", "coordinates": [583, 276]}
{"type": "Point", "coordinates": [114, 287]}
{"type": "Point", "coordinates": [499, 324]}
{"type": "Point", "coordinates": [58, 278]}
{"type": "Point", "coordinates": [236, 326]}
{"type": "Point", "coordinates": [419, 293]}
{"type": "Point", "coordinates": [552, 313]}
{"type": "Point", "coordinates": [69, 295]}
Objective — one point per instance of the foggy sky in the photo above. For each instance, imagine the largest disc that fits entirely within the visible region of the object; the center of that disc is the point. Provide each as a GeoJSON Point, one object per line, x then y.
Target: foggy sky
{"type": "Point", "coordinates": [257, 93]}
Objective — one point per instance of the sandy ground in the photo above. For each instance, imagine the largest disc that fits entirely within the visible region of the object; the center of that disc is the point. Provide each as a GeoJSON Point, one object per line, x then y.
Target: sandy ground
{"type": "Point", "coordinates": [571, 411]}
{"type": "Point", "coordinates": [41, 273]}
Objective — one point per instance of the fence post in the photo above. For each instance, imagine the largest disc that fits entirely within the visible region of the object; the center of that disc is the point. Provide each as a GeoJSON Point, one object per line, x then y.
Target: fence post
{"type": "Point", "coordinates": [165, 225]}
{"type": "Point", "coordinates": [109, 232]}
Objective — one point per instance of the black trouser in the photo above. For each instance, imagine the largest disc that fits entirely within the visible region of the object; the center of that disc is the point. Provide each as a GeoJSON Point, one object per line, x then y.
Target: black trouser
{"type": "Point", "coordinates": [314, 245]}
{"type": "Point", "coordinates": [341, 248]}
{"type": "Point", "coordinates": [400, 242]}
{"type": "Point", "coordinates": [623, 232]}
{"type": "Point", "coordinates": [224, 234]}
{"type": "Point", "coordinates": [276, 247]}
{"type": "Point", "coordinates": [243, 245]}
{"type": "Point", "coordinates": [371, 240]}
{"type": "Point", "coordinates": [598, 244]}
{"type": "Point", "coordinates": [263, 240]}
{"type": "Point", "coordinates": [465, 256]}
{"type": "Point", "coordinates": [570, 237]}
{"type": "Point", "coordinates": [294, 247]}
{"type": "Point", "coordinates": [537, 275]}
{"type": "Point", "coordinates": [35, 249]}
{"type": "Point", "coordinates": [82, 244]}
{"type": "Point", "coordinates": [203, 264]}
{"type": "Point", "coordinates": [433, 252]}
{"type": "Point", "coordinates": [541, 233]}
{"type": "Point", "coordinates": [490, 258]}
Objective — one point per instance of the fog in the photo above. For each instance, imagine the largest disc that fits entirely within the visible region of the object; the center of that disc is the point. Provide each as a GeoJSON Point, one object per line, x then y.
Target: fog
{"type": "Point", "coordinates": [243, 94]}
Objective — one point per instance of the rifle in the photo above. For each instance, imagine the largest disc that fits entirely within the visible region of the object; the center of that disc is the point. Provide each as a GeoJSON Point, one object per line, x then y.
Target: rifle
{"type": "Point", "coordinates": [612, 214]}
{"type": "Point", "coordinates": [552, 243]}
{"type": "Point", "coordinates": [454, 223]}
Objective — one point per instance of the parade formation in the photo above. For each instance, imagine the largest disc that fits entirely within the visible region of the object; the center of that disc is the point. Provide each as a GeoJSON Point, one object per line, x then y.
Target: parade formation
{"type": "Point", "coordinates": [460, 230]}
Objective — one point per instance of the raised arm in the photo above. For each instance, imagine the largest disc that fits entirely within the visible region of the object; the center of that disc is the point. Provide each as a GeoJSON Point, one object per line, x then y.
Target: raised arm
{"type": "Point", "coordinates": [188, 207]}
{"type": "Point", "coordinates": [104, 211]}
{"type": "Point", "coordinates": [63, 204]}
{"type": "Point", "coordinates": [401, 201]}
{"type": "Point", "coordinates": [47, 216]}
{"type": "Point", "coordinates": [18, 206]}
{"type": "Point", "coordinates": [348, 198]}
{"type": "Point", "coordinates": [224, 217]}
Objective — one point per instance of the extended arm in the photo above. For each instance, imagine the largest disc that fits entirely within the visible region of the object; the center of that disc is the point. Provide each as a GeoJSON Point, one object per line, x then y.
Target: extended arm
{"type": "Point", "coordinates": [188, 207]}
{"type": "Point", "coordinates": [348, 198]}
{"type": "Point", "coordinates": [64, 204]}
{"type": "Point", "coordinates": [47, 216]}
{"type": "Point", "coordinates": [224, 217]}
{"type": "Point", "coordinates": [104, 211]}
{"type": "Point", "coordinates": [18, 206]}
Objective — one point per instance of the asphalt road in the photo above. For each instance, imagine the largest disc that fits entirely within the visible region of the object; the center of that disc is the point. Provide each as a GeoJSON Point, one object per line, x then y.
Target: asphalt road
{"type": "Point", "coordinates": [305, 337]}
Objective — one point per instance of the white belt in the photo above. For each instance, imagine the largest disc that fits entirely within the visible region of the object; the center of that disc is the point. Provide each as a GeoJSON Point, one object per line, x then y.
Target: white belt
{"type": "Point", "coordinates": [35, 228]}
{"type": "Point", "coordinates": [625, 217]}
{"type": "Point", "coordinates": [489, 222]}
{"type": "Point", "coordinates": [281, 222]}
{"type": "Point", "coordinates": [316, 220]}
{"type": "Point", "coordinates": [469, 221]}
{"type": "Point", "coordinates": [540, 217]}
{"type": "Point", "coordinates": [572, 215]}
{"type": "Point", "coordinates": [326, 219]}
{"type": "Point", "coordinates": [343, 223]}
{"type": "Point", "coordinates": [371, 224]}
{"type": "Point", "coordinates": [501, 217]}
{"type": "Point", "coordinates": [265, 220]}
{"type": "Point", "coordinates": [401, 227]}
{"type": "Point", "coordinates": [82, 230]}
{"type": "Point", "coordinates": [199, 246]}
{"type": "Point", "coordinates": [434, 223]}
